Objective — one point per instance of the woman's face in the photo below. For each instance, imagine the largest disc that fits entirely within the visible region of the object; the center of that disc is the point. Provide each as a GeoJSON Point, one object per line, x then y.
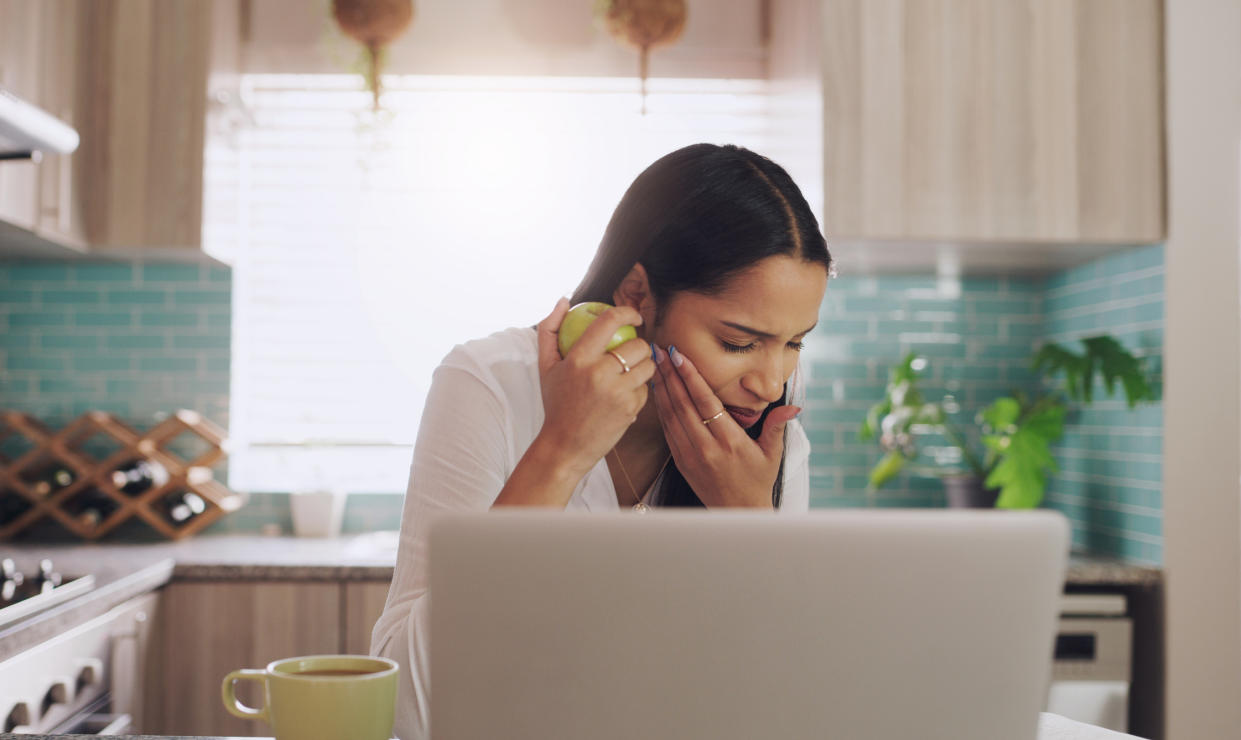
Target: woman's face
{"type": "Point", "coordinates": [745, 340]}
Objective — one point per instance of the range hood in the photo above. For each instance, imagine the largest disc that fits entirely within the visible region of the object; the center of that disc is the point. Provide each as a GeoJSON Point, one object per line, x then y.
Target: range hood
{"type": "Point", "coordinates": [27, 130]}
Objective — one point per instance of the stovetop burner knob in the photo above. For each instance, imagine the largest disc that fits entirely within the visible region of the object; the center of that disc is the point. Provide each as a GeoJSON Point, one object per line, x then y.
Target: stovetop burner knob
{"type": "Point", "coordinates": [89, 672]}
{"type": "Point", "coordinates": [48, 577]}
{"type": "Point", "coordinates": [18, 718]}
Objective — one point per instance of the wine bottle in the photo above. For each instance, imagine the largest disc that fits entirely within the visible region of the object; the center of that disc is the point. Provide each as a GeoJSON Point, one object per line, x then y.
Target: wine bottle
{"type": "Point", "coordinates": [137, 476]}
{"type": "Point", "coordinates": [179, 508]}
{"type": "Point", "coordinates": [91, 507]}
{"type": "Point", "coordinates": [52, 479]}
{"type": "Point", "coordinates": [12, 505]}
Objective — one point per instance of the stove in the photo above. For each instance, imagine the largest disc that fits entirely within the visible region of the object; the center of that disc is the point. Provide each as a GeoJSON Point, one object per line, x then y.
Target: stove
{"type": "Point", "coordinates": [67, 683]}
{"type": "Point", "coordinates": [23, 595]}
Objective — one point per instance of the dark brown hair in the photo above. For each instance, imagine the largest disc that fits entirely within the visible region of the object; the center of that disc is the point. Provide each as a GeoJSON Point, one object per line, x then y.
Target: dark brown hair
{"type": "Point", "coordinates": [694, 219]}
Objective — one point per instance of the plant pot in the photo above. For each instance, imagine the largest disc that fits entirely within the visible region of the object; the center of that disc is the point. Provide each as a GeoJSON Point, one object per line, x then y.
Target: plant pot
{"type": "Point", "coordinates": [967, 492]}
{"type": "Point", "coordinates": [317, 513]}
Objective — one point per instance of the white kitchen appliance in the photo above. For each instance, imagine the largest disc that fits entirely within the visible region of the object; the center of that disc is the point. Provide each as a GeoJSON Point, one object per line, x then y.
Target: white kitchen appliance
{"type": "Point", "coordinates": [867, 625]}
{"type": "Point", "coordinates": [1093, 661]}
{"type": "Point", "coordinates": [80, 681]}
{"type": "Point", "coordinates": [26, 129]}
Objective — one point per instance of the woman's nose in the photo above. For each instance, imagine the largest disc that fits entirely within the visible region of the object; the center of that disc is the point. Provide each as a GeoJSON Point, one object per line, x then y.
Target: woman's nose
{"type": "Point", "coordinates": [766, 379]}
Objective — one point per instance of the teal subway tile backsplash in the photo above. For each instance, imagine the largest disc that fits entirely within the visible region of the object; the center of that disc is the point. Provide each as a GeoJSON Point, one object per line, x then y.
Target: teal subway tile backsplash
{"type": "Point", "coordinates": [978, 335]}
{"type": "Point", "coordinates": [1112, 469]}
{"type": "Point", "coordinates": [142, 338]}
{"type": "Point", "coordinates": [113, 336]}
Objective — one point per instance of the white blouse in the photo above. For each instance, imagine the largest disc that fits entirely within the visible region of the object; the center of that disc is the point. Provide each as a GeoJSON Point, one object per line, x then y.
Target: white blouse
{"type": "Point", "coordinates": [483, 411]}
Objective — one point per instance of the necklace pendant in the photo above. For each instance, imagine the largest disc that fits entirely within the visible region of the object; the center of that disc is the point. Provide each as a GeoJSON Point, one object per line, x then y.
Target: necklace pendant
{"type": "Point", "coordinates": [640, 507]}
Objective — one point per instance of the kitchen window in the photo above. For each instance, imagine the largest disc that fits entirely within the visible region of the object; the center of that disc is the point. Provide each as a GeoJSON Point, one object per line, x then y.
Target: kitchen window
{"type": "Point", "coordinates": [365, 246]}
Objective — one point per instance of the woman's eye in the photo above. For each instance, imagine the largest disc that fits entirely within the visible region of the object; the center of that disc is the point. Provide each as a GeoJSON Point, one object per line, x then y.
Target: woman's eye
{"type": "Point", "coordinates": [730, 347]}
{"type": "Point", "coordinates": [797, 346]}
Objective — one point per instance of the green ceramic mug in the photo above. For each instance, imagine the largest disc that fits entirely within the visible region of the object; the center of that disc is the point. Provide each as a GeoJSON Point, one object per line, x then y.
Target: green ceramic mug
{"type": "Point", "coordinates": [321, 697]}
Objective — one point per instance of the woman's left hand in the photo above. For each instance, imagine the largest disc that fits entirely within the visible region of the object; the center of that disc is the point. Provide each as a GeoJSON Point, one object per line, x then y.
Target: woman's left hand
{"type": "Point", "coordinates": [719, 460]}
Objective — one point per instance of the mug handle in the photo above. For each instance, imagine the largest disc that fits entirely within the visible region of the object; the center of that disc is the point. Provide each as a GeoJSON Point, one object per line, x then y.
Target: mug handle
{"type": "Point", "coordinates": [228, 691]}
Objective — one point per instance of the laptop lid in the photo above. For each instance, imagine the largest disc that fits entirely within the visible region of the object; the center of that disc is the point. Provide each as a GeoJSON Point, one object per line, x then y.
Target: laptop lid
{"type": "Point", "coordinates": [866, 625]}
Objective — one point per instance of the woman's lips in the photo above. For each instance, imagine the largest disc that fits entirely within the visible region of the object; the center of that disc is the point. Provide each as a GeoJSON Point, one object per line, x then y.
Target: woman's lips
{"type": "Point", "coordinates": [745, 417]}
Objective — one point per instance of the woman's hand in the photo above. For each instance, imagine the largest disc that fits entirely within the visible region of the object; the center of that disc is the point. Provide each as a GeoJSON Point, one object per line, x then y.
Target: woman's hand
{"type": "Point", "coordinates": [719, 460]}
{"type": "Point", "coordinates": [588, 398]}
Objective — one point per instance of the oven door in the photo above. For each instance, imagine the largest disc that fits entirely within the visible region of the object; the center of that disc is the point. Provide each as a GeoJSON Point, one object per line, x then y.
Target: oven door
{"type": "Point", "coordinates": [96, 719]}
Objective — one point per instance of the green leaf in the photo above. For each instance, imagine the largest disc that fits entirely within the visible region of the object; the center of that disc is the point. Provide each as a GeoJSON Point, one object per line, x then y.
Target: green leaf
{"type": "Point", "coordinates": [1002, 414]}
{"type": "Point", "coordinates": [886, 469]}
{"type": "Point", "coordinates": [1025, 457]}
{"type": "Point", "coordinates": [1104, 356]}
{"type": "Point", "coordinates": [1115, 363]}
{"type": "Point", "coordinates": [1047, 423]}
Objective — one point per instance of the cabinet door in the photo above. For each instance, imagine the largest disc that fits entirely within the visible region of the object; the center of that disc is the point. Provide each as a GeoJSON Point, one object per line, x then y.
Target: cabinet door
{"type": "Point", "coordinates": [364, 602]}
{"type": "Point", "coordinates": [993, 120]}
{"type": "Point", "coordinates": [210, 629]}
{"type": "Point", "coordinates": [58, 217]}
{"type": "Point", "coordinates": [143, 67]}
{"type": "Point", "coordinates": [19, 75]}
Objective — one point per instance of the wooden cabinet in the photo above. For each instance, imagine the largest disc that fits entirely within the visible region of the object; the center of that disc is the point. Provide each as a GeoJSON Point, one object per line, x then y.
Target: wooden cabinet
{"type": "Point", "coordinates": [211, 628]}
{"type": "Point", "coordinates": [143, 84]}
{"type": "Point", "coordinates": [20, 27]}
{"type": "Point", "coordinates": [131, 77]}
{"type": "Point", "coordinates": [993, 120]}
{"type": "Point", "coordinates": [363, 602]}
{"type": "Point", "coordinates": [58, 216]}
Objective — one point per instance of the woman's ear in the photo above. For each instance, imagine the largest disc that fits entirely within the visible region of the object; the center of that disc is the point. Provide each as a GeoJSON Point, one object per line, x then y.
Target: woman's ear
{"type": "Point", "coordinates": [635, 291]}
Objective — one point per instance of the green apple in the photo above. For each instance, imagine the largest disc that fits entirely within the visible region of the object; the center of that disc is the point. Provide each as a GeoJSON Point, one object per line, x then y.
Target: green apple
{"type": "Point", "coordinates": [583, 315]}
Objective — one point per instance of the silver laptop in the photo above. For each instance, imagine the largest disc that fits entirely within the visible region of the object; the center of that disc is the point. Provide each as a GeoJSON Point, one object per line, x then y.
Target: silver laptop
{"type": "Point", "coordinates": [861, 625]}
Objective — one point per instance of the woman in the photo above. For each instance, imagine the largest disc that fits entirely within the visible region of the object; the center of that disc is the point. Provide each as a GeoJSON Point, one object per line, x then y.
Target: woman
{"type": "Point", "coordinates": [714, 255]}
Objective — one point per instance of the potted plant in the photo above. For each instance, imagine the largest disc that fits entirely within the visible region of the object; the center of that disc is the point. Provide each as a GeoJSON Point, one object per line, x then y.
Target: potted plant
{"type": "Point", "coordinates": [1015, 432]}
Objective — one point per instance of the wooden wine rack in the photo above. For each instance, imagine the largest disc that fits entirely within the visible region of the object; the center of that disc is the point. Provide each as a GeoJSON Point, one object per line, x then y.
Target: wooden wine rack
{"type": "Point", "coordinates": [67, 448]}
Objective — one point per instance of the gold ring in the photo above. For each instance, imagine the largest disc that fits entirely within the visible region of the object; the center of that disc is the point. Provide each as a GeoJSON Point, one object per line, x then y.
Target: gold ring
{"type": "Point", "coordinates": [619, 359]}
{"type": "Point", "coordinates": [713, 418]}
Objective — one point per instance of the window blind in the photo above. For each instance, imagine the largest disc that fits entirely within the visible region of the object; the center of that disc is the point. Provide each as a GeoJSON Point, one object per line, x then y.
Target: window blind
{"type": "Point", "coordinates": [365, 246]}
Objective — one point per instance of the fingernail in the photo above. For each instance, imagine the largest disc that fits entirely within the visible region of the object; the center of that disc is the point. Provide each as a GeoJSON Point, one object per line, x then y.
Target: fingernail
{"type": "Point", "coordinates": [799, 410]}
{"type": "Point", "coordinates": [659, 354]}
{"type": "Point", "coordinates": [677, 359]}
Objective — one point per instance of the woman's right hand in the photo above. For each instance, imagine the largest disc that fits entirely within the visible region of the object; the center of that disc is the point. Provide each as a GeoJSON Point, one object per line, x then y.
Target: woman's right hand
{"type": "Point", "coordinates": [588, 399]}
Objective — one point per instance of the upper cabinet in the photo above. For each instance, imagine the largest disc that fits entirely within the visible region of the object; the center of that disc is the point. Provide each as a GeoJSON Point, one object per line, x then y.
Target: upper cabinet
{"type": "Point", "coordinates": [997, 121]}
{"type": "Point", "coordinates": [131, 77]}
{"type": "Point", "coordinates": [21, 24]}
{"type": "Point", "coordinates": [143, 84]}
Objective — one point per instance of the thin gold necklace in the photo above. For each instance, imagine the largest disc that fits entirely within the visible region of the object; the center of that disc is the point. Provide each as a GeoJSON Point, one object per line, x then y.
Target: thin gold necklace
{"type": "Point", "coordinates": [639, 506]}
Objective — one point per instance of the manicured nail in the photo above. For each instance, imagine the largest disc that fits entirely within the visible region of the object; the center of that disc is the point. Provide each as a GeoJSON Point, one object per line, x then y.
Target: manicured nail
{"type": "Point", "coordinates": [659, 354]}
{"type": "Point", "coordinates": [677, 359]}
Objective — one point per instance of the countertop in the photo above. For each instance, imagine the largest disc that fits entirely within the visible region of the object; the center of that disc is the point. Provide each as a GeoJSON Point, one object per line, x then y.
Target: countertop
{"type": "Point", "coordinates": [365, 557]}
{"type": "Point", "coordinates": [124, 570]}
{"type": "Point", "coordinates": [1050, 727]}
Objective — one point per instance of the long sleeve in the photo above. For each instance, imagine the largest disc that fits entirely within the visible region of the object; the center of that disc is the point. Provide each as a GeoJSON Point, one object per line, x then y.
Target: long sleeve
{"type": "Point", "coordinates": [459, 464]}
